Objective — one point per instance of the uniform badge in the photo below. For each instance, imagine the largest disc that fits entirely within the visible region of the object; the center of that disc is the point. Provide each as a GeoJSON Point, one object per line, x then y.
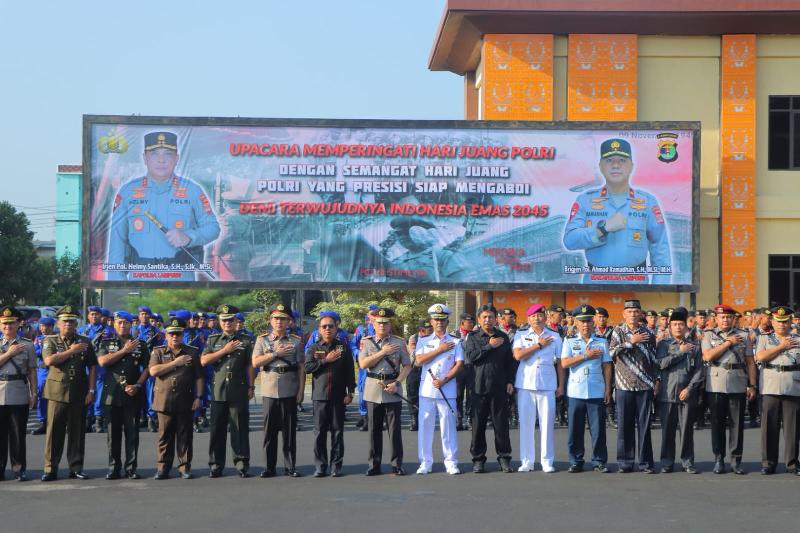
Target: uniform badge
{"type": "Point", "coordinates": [667, 147]}
{"type": "Point", "coordinates": [637, 236]}
{"type": "Point", "coordinates": [588, 223]}
{"type": "Point", "coordinates": [438, 309]}
{"type": "Point", "coordinates": [596, 207]}
{"type": "Point", "coordinates": [657, 213]}
{"type": "Point", "coordinates": [137, 209]}
{"type": "Point", "coordinates": [179, 224]}
{"type": "Point", "coordinates": [138, 224]}
{"type": "Point", "coordinates": [206, 203]}
{"type": "Point", "coordinates": [117, 201]}
{"type": "Point", "coordinates": [638, 206]}
{"type": "Point", "coordinates": [279, 307]}
{"type": "Point", "coordinates": [574, 210]}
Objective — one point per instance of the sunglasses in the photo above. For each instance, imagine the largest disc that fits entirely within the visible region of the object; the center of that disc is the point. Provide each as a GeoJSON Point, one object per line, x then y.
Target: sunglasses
{"type": "Point", "coordinates": [327, 326]}
{"type": "Point", "coordinates": [174, 333]}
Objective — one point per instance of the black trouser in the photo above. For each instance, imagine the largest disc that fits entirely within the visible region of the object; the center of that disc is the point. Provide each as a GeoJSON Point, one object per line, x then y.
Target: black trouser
{"type": "Point", "coordinates": [376, 413]}
{"type": "Point", "coordinates": [65, 420]}
{"type": "Point", "coordinates": [328, 417]}
{"type": "Point", "coordinates": [174, 433]}
{"type": "Point", "coordinates": [676, 416]}
{"type": "Point", "coordinates": [777, 409]}
{"type": "Point", "coordinates": [280, 416]}
{"type": "Point", "coordinates": [633, 414]}
{"type": "Point", "coordinates": [13, 421]}
{"type": "Point", "coordinates": [122, 419]}
{"type": "Point", "coordinates": [725, 405]}
{"type": "Point", "coordinates": [412, 390]}
{"type": "Point", "coordinates": [494, 406]}
{"type": "Point", "coordinates": [464, 383]}
{"type": "Point", "coordinates": [237, 414]}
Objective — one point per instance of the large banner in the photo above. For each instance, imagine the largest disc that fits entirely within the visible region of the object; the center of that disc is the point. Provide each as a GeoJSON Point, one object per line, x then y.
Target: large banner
{"type": "Point", "coordinates": [326, 204]}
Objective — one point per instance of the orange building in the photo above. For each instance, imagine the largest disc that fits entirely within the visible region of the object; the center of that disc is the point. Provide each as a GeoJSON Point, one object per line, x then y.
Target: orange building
{"type": "Point", "coordinates": [733, 65]}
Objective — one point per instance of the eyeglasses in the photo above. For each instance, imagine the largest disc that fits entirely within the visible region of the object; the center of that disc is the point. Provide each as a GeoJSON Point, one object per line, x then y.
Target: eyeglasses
{"type": "Point", "coordinates": [327, 326]}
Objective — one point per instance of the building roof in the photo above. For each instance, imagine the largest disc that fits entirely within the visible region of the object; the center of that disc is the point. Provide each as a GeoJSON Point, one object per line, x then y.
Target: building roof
{"type": "Point", "coordinates": [456, 47]}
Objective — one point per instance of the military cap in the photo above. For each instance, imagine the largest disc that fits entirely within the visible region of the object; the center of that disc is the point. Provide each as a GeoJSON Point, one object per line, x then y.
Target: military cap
{"type": "Point", "coordinates": [9, 315]}
{"type": "Point", "coordinates": [330, 314]}
{"type": "Point", "coordinates": [664, 313]}
{"type": "Point", "coordinates": [555, 308]}
{"type": "Point", "coordinates": [196, 315]}
{"type": "Point", "coordinates": [632, 304]}
{"type": "Point", "coordinates": [227, 311]}
{"type": "Point", "coordinates": [172, 312]}
{"type": "Point", "coordinates": [612, 147]}
{"type": "Point", "coordinates": [724, 309]}
{"type": "Point", "coordinates": [711, 312]}
{"type": "Point", "coordinates": [466, 316]}
{"type": "Point", "coordinates": [439, 311]}
{"type": "Point", "coordinates": [105, 312]}
{"type": "Point", "coordinates": [239, 316]}
{"type": "Point", "coordinates": [47, 321]}
{"type": "Point", "coordinates": [767, 312]}
{"type": "Point", "coordinates": [383, 315]}
{"type": "Point", "coordinates": [175, 325]}
{"type": "Point", "coordinates": [424, 324]}
{"type": "Point", "coordinates": [160, 139]}
{"type": "Point", "coordinates": [295, 314]}
{"type": "Point", "coordinates": [602, 311]}
{"type": "Point", "coordinates": [373, 307]}
{"type": "Point", "coordinates": [94, 309]}
{"type": "Point", "coordinates": [568, 313]}
{"type": "Point", "coordinates": [748, 312]}
{"type": "Point", "coordinates": [781, 313]}
{"type": "Point", "coordinates": [279, 311]}
{"type": "Point", "coordinates": [584, 313]}
{"type": "Point", "coordinates": [508, 311]}
{"type": "Point", "coordinates": [145, 309]}
{"type": "Point", "coordinates": [123, 315]}
{"type": "Point", "coordinates": [183, 314]}
{"type": "Point", "coordinates": [535, 308]}
{"type": "Point", "coordinates": [211, 315]}
{"type": "Point", "coordinates": [679, 314]}
{"type": "Point", "coordinates": [201, 314]}
{"type": "Point", "coordinates": [700, 312]}
{"type": "Point", "coordinates": [67, 312]}
{"type": "Point", "coordinates": [796, 314]}
{"type": "Point", "coordinates": [158, 317]}
{"type": "Point", "coordinates": [651, 312]}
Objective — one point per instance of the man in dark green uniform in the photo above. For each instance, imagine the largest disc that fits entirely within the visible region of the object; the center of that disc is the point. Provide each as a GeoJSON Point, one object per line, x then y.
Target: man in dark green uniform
{"type": "Point", "coordinates": [69, 389]}
{"type": "Point", "coordinates": [230, 355]}
{"type": "Point", "coordinates": [125, 359]}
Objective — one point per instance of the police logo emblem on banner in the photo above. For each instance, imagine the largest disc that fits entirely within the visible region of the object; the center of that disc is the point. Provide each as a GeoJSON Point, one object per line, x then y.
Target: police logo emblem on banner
{"type": "Point", "coordinates": [7, 312]}
{"type": "Point", "coordinates": [667, 147]}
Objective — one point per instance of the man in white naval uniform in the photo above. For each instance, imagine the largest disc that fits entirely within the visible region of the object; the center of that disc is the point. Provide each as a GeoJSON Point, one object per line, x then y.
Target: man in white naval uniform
{"type": "Point", "coordinates": [441, 357]}
{"type": "Point", "coordinates": [538, 351]}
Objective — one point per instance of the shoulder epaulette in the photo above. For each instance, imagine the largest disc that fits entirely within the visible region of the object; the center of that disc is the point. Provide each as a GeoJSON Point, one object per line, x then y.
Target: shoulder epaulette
{"type": "Point", "coordinates": [262, 335]}
{"type": "Point", "coordinates": [295, 336]}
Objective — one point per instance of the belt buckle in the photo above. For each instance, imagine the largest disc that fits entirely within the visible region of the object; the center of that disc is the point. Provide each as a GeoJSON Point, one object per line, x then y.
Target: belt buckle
{"type": "Point", "coordinates": [229, 376]}
{"type": "Point", "coordinates": [71, 372]}
{"type": "Point", "coordinates": [779, 368]}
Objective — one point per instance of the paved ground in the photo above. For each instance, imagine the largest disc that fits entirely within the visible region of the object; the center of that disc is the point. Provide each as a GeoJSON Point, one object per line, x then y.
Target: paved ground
{"type": "Point", "coordinates": [469, 502]}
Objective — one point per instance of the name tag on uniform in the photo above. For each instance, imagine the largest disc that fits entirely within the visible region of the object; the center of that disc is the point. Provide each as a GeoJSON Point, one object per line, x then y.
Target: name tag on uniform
{"type": "Point", "coordinates": [586, 371]}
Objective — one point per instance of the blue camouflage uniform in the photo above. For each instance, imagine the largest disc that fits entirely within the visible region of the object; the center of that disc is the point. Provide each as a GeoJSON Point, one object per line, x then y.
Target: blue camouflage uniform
{"type": "Point", "coordinates": [146, 333]}
{"type": "Point", "coordinates": [645, 234]}
{"type": "Point", "coordinates": [97, 333]}
{"type": "Point", "coordinates": [178, 203]}
{"type": "Point", "coordinates": [363, 330]}
{"type": "Point", "coordinates": [41, 372]}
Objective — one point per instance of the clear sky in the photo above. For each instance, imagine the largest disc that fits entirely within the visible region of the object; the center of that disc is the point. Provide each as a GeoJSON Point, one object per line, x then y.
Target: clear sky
{"type": "Point", "coordinates": [60, 60]}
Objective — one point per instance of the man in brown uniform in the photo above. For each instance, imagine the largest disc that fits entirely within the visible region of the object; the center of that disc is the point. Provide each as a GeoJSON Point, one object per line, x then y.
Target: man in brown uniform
{"type": "Point", "coordinates": [125, 359]}
{"type": "Point", "coordinates": [17, 391]}
{"type": "Point", "coordinates": [177, 392]}
{"type": "Point", "coordinates": [386, 359]}
{"type": "Point", "coordinates": [68, 392]}
{"type": "Point", "coordinates": [281, 357]}
{"type": "Point", "coordinates": [230, 355]}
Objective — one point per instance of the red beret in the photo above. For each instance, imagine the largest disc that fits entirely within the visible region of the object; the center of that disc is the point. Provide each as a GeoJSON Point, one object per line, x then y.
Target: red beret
{"type": "Point", "coordinates": [724, 309]}
{"type": "Point", "coordinates": [535, 308]}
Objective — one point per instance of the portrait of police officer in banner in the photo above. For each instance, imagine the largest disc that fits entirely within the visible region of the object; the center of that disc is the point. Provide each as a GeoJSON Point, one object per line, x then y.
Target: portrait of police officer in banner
{"type": "Point", "coordinates": [621, 229]}
{"type": "Point", "coordinates": [160, 219]}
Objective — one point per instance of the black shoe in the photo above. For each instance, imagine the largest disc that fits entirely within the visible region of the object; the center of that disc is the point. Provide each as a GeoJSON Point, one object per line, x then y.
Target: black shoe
{"type": "Point", "coordinates": [667, 469]}
{"type": "Point", "coordinates": [336, 471]}
{"type": "Point", "coordinates": [300, 408]}
{"type": "Point", "coordinates": [21, 476]}
{"type": "Point", "coordinates": [40, 430]}
{"type": "Point", "coordinates": [320, 473]}
{"type": "Point", "coordinates": [797, 472]}
{"type": "Point", "coordinates": [737, 468]}
{"type": "Point", "coordinates": [624, 470]}
{"type": "Point", "coordinates": [398, 471]}
{"type": "Point", "coordinates": [187, 474]}
{"type": "Point", "coordinates": [114, 474]}
{"type": "Point", "coordinates": [575, 469]}
{"type": "Point", "coordinates": [291, 472]}
{"type": "Point", "coordinates": [197, 425]}
{"type": "Point", "coordinates": [412, 426]}
{"type": "Point", "coordinates": [267, 473]}
{"type": "Point", "coordinates": [152, 425]}
{"type": "Point", "coordinates": [479, 467]}
{"type": "Point", "coordinates": [243, 472]}
{"type": "Point", "coordinates": [767, 471]}
{"type": "Point", "coordinates": [161, 474]}
{"type": "Point", "coordinates": [719, 467]}
{"type": "Point", "coordinates": [365, 427]}
{"type": "Point", "coordinates": [374, 471]}
{"type": "Point", "coordinates": [131, 474]}
{"type": "Point", "coordinates": [648, 470]}
{"type": "Point", "coordinates": [100, 425]}
{"type": "Point", "coordinates": [690, 469]}
{"type": "Point", "coordinates": [361, 422]}
{"type": "Point", "coordinates": [79, 475]}
{"type": "Point", "coordinates": [460, 426]}
{"type": "Point", "coordinates": [601, 467]}
{"type": "Point", "coordinates": [505, 466]}
{"type": "Point", "coordinates": [215, 473]}
{"type": "Point", "coordinates": [49, 476]}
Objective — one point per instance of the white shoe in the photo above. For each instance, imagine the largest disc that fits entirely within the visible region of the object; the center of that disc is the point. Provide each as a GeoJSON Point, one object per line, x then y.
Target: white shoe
{"type": "Point", "coordinates": [525, 468]}
{"type": "Point", "coordinates": [453, 470]}
{"type": "Point", "coordinates": [422, 470]}
{"type": "Point", "coordinates": [548, 469]}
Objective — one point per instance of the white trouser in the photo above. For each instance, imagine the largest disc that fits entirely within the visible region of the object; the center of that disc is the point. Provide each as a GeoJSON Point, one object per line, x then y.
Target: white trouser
{"type": "Point", "coordinates": [428, 408]}
{"type": "Point", "coordinates": [532, 404]}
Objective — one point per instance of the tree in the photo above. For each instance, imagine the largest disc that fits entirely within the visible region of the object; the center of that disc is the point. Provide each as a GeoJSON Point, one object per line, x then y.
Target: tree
{"type": "Point", "coordinates": [24, 274]}
{"type": "Point", "coordinates": [66, 280]}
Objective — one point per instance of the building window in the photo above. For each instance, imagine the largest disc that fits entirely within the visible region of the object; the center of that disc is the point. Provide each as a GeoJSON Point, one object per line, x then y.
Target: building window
{"type": "Point", "coordinates": [784, 132]}
{"type": "Point", "coordinates": [784, 280]}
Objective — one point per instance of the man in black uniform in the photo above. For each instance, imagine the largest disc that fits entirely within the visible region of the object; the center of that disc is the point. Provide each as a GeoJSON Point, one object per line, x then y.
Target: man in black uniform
{"type": "Point", "coordinates": [489, 351]}
{"type": "Point", "coordinates": [333, 383]}
{"type": "Point", "coordinates": [125, 359]}
{"type": "Point", "coordinates": [465, 378]}
{"type": "Point", "coordinates": [413, 379]}
{"type": "Point", "coordinates": [230, 355]}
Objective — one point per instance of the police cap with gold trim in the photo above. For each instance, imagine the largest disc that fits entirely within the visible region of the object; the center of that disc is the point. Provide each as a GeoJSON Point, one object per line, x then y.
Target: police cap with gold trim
{"type": "Point", "coordinates": [160, 139]}
{"type": "Point", "coordinates": [279, 311]}
{"type": "Point", "coordinates": [383, 314]}
{"type": "Point", "coordinates": [9, 315]}
{"type": "Point", "coordinates": [613, 147]}
{"type": "Point", "coordinates": [227, 311]}
{"type": "Point", "coordinates": [175, 325]}
{"type": "Point", "coordinates": [68, 312]}
{"type": "Point", "coordinates": [781, 313]}
{"type": "Point", "coordinates": [584, 313]}
{"type": "Point", "coordinates": [440, 311]}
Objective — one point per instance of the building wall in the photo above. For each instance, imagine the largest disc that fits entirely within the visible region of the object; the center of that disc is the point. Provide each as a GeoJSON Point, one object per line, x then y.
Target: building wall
{"type": "Point", "coordinates": [68, 213]}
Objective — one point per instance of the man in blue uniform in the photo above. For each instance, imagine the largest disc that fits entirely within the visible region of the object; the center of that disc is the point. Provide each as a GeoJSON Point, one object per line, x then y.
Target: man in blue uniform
{"type": "Point", "coordinates": [363, 330]}
{"type": "Point", "coordinates": [178, 204]}
{"type": "Point", "coordinates": [149, 334]}
{"type": "Point", "coordinates": [619, 226]}
{"type": "Point", "coordinates": [46, 325]}
{"type": "Point", "coordinates": [97, 331]}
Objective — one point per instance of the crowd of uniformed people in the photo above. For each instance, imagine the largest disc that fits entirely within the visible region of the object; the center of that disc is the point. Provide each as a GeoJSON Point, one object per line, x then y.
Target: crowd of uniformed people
{"type": "Point", "coordinates": [122, 373]}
